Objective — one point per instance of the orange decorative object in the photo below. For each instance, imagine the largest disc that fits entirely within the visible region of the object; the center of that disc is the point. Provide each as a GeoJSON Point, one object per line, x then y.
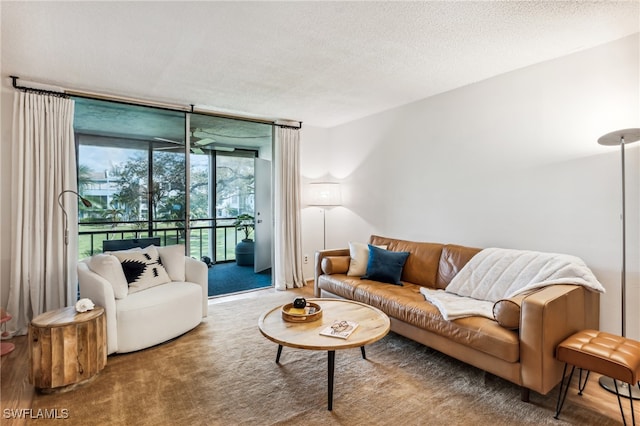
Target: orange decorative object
{"type": "Point", "coordinates": [5, 347]}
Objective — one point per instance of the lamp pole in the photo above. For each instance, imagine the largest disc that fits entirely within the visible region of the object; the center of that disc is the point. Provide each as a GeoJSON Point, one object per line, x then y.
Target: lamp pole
{"type": "Point", "coordinates": [65, 254]}
{"type": "Point", "coordinates": [621, 137]}
{"type": "Point", "coordinates": [325, 194]}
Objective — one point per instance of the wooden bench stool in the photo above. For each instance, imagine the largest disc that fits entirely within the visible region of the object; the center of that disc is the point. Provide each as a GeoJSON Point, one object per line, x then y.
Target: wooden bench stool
{"type": "Point", "coordinates": [610, 355]}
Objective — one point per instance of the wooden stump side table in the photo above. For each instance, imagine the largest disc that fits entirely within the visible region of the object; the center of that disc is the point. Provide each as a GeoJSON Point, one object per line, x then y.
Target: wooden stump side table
{"type": "Point", "coordinates": [66, 348]}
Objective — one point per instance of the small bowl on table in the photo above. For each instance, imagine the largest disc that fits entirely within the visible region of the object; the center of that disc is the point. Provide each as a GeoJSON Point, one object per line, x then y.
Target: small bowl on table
{"type": "Point", "coordinates": [291, 314]}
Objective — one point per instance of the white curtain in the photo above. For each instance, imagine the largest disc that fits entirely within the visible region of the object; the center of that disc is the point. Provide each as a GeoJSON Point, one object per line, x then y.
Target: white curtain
{"type": "Point", "coordinates": [43, 165]}
{"type": "Point", "coordinates": [288, 240]}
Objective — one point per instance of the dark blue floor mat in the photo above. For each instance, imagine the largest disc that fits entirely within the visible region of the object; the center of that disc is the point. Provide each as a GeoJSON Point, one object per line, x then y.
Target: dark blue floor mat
{"type": "Point", "coordinates": [225, 278]}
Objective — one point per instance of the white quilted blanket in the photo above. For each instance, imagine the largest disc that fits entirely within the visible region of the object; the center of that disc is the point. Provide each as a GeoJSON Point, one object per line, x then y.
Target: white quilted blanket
{"type": "Point", "coordinates": [495, 274]}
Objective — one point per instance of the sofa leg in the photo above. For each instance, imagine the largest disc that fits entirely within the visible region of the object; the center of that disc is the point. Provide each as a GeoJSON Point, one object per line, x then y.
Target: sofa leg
{"type": "Point", "coordinates": [524, 394]}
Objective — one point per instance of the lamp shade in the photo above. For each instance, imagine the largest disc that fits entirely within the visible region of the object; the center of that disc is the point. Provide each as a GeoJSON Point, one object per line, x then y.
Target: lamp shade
{"type": "Point", "coordinates": [616, 138]}
{"type": "Point", "coordinates": [324, 194]}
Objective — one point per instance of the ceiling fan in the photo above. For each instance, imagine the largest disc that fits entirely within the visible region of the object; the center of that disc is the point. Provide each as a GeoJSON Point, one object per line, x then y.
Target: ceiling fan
{"type": "Point", "coordinates": [199, 142]}
{"type": "Point", "coordinates": [194, 139]}
{"type": "Point", "coordinates": [193, 149]}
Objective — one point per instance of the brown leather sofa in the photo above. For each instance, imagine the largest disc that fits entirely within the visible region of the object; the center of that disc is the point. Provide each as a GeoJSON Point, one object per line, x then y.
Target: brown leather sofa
{"type": "Point", "coordinates": [521, 352]}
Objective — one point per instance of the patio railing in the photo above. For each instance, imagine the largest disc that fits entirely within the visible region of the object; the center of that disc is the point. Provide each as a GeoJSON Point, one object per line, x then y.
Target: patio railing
{"type": "Point", "coordinates": [220, 247]}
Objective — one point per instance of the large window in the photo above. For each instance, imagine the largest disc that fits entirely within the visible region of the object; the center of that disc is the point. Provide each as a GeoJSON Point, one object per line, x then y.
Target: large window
{"type": "Point", "coordinates": [133, 168]}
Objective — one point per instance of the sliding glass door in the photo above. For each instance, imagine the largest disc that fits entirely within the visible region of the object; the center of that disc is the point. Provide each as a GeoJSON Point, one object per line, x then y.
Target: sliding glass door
{"type": "Point", "coordinates": [228, 150]}
{"type": "Point", "coordinates": [193, 179]}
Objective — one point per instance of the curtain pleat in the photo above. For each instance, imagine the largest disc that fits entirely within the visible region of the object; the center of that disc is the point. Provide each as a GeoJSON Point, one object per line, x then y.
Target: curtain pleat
{"type": "Point", "coordinates": [43, 166]}
{"type": "Point", "coordinates": [288, 241]}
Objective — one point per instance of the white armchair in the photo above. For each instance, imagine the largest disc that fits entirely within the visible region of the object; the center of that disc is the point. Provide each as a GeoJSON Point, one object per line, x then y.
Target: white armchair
{"type": "Point", "coordinates": [140, 316]}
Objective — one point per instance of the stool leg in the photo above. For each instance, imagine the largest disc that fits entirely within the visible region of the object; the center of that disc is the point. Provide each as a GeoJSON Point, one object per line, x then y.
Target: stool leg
{"type": "Point", "coordinates": [631, 402]}
{"type": "Point", "coordinates": [562, 397]}
{"type": "Point", "coordinates": [582, 385]}
{"type": "Point", "coordinates": [633, 417]}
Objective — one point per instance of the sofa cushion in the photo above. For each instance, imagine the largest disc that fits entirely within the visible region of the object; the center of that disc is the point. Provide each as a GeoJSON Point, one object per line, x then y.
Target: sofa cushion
{"type": "Point", "coordinates": [158, 314]}
{"type": "Point", "coordinates": [335, 264]}
{"type": "Point", "coordinates": [143, 269]}
{"type": "Point", "coordinates": [109, 268]}
{"type": "Point", "coordinates": [452, 259]}
{"type": "Point", "coordinates": [422, 266]}
{"type": "Point", "coordinates": [172, 258]}
{"type": "Point", "coordinates": [385, 266]}
{"type": "Point", "coordinates": [359, 253]}
{"type": "Point", "coordinates": [407, 304]}
{"type": "Point", "coordinates": [339, 284]}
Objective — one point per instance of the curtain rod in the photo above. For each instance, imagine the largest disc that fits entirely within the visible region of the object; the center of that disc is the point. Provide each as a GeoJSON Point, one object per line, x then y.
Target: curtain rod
{"type": "Point", "coordinates": [288, 124]}
{"type": "Point", "coordinates": [282, 126]}
{"type": "Point", "coordinates": [36, 90]}
{"type": "Point", "coordinates": [66, 93]}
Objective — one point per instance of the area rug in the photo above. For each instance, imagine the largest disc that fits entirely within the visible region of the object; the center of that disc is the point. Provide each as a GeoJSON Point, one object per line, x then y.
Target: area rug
{"type": "Point", "coordinates": [224, 373]}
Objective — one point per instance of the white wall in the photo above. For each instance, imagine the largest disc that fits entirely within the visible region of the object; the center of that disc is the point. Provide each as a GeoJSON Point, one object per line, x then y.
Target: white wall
{"type": "Point", "coordinates": [511, 162]}
{"type": "Point", "coordinates": [314, 155]}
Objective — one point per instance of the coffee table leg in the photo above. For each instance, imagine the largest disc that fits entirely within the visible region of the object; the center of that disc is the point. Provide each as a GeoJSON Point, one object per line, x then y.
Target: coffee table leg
{"type": "Point", "coordinates": [332, 360]}
{"type": "Point", "coordinates": [364, 355]}
{"type": "Point", "coordinates": [278, 354]}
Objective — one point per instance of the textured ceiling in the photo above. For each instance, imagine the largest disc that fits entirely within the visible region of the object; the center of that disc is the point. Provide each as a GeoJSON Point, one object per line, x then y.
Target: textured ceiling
{"type": "Point", "coordinates": [324, 63]}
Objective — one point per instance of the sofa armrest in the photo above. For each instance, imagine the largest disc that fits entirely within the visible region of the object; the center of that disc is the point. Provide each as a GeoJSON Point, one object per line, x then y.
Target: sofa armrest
{"type": "Point", "coordinates": [321, 254]}
{"type": "Point", "coordinates": [196, 271]}
{"type": "Point", "coordinates": [548, 317]}
{"type": "Point", "coordinates": [100, 291]}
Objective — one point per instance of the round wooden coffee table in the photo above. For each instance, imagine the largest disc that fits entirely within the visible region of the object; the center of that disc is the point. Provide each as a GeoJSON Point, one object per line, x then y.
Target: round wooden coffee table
{"type": "Point", "coordinates": [373, 325]}
{"type": "Point", "coordinates": [66, 348]}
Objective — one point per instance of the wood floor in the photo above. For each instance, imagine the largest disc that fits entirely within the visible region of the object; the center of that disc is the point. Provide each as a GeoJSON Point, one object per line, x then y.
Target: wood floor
{"type": "Point", "coordinates": [16, 393]}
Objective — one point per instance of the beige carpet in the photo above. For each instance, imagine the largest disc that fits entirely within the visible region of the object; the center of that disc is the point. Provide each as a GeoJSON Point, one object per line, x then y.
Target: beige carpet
{"type": "Point", "coordinates": [224, 373]}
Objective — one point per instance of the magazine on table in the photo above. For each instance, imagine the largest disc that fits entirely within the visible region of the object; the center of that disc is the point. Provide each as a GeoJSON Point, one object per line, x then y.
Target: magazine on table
{"type": "Point", "coordinates": [340, 328]}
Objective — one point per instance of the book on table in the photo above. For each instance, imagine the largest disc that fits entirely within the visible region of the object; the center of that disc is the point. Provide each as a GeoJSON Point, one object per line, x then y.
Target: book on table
{"type": "Point", "coordinates": [340, 328]}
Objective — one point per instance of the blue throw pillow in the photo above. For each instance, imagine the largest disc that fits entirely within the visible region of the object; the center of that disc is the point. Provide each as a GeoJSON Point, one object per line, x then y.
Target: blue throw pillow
{"type": "Point", "coordinates": [385, 266]}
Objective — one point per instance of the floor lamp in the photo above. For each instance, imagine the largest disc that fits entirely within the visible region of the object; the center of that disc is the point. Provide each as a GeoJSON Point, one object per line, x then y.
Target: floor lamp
{"type": "Point", "coordinates": [86, 203]}
{"type": "Point", "coordinates": [324, 194]}
{"type": "Point", "coordinates": [622, 138]}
